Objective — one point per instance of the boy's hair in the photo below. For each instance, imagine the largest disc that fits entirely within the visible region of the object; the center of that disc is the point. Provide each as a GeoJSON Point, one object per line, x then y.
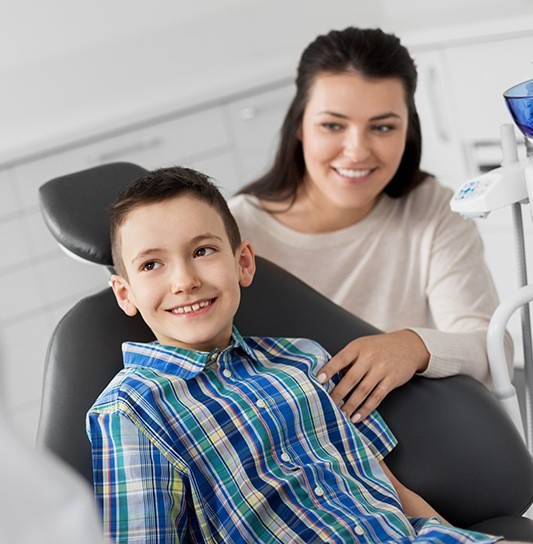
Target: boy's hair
{"type": "Point", "coordinates": [162, 184]}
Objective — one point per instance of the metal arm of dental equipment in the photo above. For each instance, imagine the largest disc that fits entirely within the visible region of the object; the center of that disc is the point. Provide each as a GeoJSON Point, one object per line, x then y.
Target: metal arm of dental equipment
{"type": "Point", "coordinates": [476, 198]}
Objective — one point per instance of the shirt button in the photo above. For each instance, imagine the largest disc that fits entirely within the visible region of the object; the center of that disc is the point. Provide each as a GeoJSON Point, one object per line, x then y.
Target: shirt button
{"type": "Point", "coordinates": [319, 492]}
{"type": "Point", "coordinates": [359, 530]}
{"type": "Point", "coordinates": [260, 403]}
{"type": "Point", "coordinates": [226, 373]}
{"type": "Point", "coordinates": [213, 355]}
{"type": "Point", "coordinates": [285, 457]}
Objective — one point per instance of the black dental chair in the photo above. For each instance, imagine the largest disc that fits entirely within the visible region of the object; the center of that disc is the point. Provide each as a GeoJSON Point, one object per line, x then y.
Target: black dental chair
{"type": "Point", "coordinates": [457, 447]}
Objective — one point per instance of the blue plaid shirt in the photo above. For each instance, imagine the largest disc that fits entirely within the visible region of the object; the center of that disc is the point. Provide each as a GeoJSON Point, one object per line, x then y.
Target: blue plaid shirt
{"type": "Point", "coordinates": [242, 445]}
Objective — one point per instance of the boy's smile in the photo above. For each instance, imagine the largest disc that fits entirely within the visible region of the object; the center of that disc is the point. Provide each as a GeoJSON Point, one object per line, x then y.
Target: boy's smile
{"type": "Point", "coordinates": [192, 308]}
{"type": "Point", "coordinates": [182, 274]}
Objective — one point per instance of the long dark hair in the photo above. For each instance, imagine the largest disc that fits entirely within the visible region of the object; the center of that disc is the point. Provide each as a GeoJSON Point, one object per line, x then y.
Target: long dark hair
{"type": "Point", "coordinates": [372, 53]}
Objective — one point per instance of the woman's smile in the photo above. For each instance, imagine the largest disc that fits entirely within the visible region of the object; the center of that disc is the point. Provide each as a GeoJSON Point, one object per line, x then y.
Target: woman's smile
{"type": "Point", "coordinates": [353, 138]}
{"type": "Point", "coordinates": [354, 174]}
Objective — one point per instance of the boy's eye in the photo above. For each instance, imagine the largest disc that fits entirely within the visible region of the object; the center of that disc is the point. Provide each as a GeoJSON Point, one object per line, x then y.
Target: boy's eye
{"type": "Point", "coordinates": [150, 265]}
{"type": "Point", "coordinates": [203, 251]}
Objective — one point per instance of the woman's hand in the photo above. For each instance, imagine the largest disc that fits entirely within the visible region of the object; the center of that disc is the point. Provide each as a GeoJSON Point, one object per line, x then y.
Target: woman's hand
{"type": "Point", "coordinates": [374, 365]}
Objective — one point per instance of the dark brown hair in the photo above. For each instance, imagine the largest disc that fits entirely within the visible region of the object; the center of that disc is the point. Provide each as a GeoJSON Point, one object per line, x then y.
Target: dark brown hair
{"type": "Point", "coordinates": [371, 53]}
{"type": "Point", "coordinates": [160, 185]}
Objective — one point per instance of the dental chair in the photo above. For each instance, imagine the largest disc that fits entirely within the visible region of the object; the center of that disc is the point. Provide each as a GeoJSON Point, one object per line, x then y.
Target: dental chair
{"type": "Point", "coordinates": [457, 447]}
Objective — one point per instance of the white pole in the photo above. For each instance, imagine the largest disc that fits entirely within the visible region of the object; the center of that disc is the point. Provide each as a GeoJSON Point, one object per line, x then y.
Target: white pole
{"type": "Point", "coordinates": [503, 388]}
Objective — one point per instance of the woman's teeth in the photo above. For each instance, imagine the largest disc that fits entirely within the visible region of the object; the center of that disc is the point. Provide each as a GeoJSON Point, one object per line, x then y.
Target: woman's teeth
{"type": "Point", "coordinates": [353, 173]}
{"type": "Point", "coordinates": [192, 308]}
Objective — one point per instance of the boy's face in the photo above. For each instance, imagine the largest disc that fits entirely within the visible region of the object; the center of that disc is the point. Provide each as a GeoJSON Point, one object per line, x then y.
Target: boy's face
{"type": "Point", "coordinates": [183, 276]}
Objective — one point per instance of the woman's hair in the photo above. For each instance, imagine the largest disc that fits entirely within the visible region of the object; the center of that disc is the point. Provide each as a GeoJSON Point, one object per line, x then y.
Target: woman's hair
{"type": "Point", "coordinates": [371, 53]}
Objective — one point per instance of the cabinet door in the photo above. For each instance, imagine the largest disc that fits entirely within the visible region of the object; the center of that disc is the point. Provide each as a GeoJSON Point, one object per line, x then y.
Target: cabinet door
{"type": "Point", "coordinates": [161, 144]}
{"type": "Point", "coordinates": [254, 123]}
{"type": "Point", "coordinates": [479, 74]}
{"type": "Point", "coordinates": [441, 151]}
{"type": "Point", "coordinates": [8, 200]}
{"type": "Point", "coordinates": [221, 168]}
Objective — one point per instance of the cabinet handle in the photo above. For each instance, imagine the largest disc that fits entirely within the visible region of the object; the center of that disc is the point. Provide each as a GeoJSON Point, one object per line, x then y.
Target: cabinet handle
{"type": "Point", "coordinates": [435, 99]}
{"type": "Point", "coordinates": [107, 156]}
{"type": "Point", "coordinates": [247, 113]}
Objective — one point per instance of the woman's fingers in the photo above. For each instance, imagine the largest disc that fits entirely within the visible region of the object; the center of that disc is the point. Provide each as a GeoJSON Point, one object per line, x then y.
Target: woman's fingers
{"type": "Point", "coordinates": [364, 400]}
{"type": "Point", "coordinates": [373, 366]}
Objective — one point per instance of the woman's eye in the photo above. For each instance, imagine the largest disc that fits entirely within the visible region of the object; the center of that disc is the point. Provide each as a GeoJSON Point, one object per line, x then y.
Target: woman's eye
{"type": "Point", "coordinates": [383, 129]}
{"type": "Point", "coordinates": [150, 265]}
{"type": "Point", "coordinates": [333, 127]}
{"type": "Point", "coordinates": [203, 251]}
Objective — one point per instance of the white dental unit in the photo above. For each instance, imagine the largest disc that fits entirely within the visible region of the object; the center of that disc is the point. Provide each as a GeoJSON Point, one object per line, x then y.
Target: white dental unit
{"type": "Point", "coordinates": [509, 185]}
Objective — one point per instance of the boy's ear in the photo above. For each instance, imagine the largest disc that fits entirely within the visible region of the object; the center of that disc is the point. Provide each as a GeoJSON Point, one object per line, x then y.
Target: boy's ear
{"type": "Point", "coordinates": [121, 289]}
{"type": "Point", "coordinates": [246, 261]}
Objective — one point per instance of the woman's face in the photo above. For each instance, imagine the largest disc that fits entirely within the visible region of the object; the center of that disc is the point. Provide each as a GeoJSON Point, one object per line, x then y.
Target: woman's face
{"type": "Point", "coordinates": [353, 136]}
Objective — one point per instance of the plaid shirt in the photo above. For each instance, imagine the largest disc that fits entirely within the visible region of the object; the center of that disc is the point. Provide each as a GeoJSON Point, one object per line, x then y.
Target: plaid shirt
{"type": "Point", "coordinates": [242, 445]}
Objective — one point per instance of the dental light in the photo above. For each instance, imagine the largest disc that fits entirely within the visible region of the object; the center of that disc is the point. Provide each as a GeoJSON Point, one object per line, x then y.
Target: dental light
{"type": "Point", "coordinates": [509, 185]}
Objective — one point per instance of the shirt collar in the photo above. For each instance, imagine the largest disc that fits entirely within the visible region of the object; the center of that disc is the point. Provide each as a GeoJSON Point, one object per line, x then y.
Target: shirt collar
{"type": "Point", "coordinates": [180, 362]}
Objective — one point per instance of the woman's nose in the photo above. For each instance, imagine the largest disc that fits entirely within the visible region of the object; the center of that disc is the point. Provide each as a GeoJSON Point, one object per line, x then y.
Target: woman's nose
{"type": "Point", "coordinates": [356, 146]}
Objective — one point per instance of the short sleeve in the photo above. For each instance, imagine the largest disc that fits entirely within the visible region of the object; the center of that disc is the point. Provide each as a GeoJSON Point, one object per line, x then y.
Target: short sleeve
{"type": "Point", "coordinates": [433, 530]}
{"type": "Point", "coordinates": [140, 493]}
{"type": "Point", "coordinates": [377, 434]}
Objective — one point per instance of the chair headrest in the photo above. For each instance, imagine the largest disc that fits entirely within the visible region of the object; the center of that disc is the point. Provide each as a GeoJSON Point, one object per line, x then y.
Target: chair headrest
{"type": "Point", "coordinates": [74, 208]}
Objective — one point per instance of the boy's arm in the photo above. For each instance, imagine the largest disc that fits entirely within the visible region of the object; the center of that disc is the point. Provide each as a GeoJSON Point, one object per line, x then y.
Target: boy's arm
{"type": "Point", "coordinates": [139, 492]}
{"type": "Point", "coordinates": [413, 505]}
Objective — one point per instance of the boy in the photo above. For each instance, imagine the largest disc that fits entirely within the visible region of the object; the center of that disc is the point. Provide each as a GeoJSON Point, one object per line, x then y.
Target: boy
{"type": "Point", "coordinates": [206, 436]}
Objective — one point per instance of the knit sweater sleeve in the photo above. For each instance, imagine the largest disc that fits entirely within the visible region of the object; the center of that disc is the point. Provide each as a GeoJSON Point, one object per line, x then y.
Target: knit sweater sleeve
{"type": "Point", "coordinates": [461, 297]}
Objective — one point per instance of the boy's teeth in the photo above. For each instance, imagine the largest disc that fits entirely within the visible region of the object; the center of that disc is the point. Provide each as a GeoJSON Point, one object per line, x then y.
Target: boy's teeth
{"type": "Point", "coordinates": [193, 308]}
{"type": "Point", "coordinates": [353, 173]}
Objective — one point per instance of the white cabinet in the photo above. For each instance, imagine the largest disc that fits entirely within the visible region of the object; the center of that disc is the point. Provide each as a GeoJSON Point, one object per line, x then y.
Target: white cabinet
{"type": "Point", "coordinates": [479, 74]}
{"type": "Point", "coordinates": [254, 123]}
{"type": "Point", "coordinates": [442, 155]}
{"type": "Point", "coordinates": [461, 105]}
{"type": "Point", "coordinates": [8, 200]}
{"type": "Point", "coordinates": [173, 141]}
{"type": "Point", "coordinates": [221, 168]}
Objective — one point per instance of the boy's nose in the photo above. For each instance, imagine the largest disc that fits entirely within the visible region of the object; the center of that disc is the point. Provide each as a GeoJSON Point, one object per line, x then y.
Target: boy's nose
{"type": "Point", "coordinates": [184, 281]}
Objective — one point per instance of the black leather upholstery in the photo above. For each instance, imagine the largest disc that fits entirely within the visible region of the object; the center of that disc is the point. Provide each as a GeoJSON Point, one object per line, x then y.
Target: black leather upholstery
{"type": "Point", "coordinates": [75, 208]}
{"type": "Point", "coordinates": [457, 447]}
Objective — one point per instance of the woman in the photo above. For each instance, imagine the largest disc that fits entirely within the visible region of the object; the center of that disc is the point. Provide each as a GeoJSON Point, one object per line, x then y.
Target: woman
{"type": "Point", "coordinates": [346, 208]}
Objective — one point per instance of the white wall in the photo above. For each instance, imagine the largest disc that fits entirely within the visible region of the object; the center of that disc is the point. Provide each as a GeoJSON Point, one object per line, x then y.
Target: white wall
{"type": "Point", "coordinates": [62, 58]}
{"type": "Point", "coordinates": [35, 30]}
{"type": "Point", "coordinates": [407, 15]}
